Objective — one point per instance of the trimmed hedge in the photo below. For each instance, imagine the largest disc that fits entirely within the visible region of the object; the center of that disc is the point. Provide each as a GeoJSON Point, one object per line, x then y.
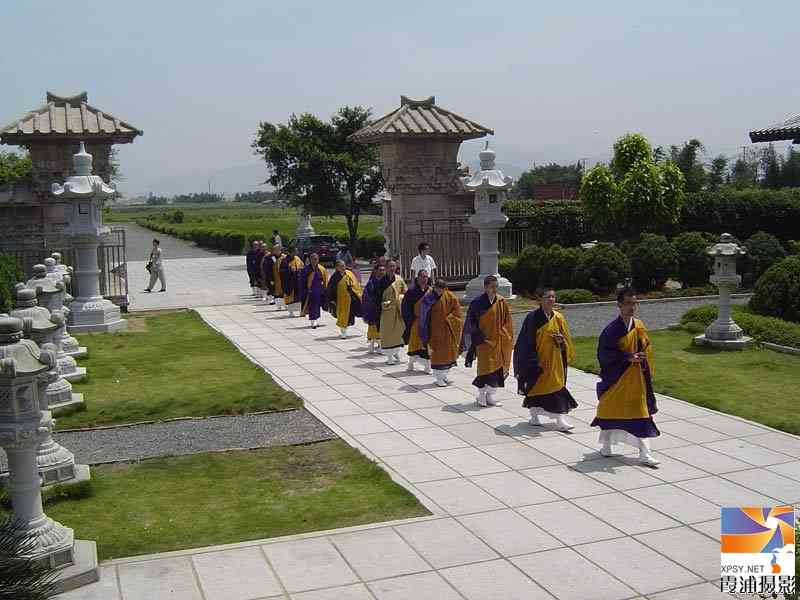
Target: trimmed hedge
{"type": "Point", "coordinates": [759, 327]}
{"type": "Point", "coordinates": [694, 263]}
{"type": "Point", "coordinates": [763, 251]}
{"type": "Point", "coordinates": [561, 222]}
{"type": "Point", "coordinates": [743, 212]}
{"type": "Point", "coordinates": [574, 296]}
{"type": "Point", "coordinates": [9, 276]}
{"type": "Point", "coordinates": [777, 292]}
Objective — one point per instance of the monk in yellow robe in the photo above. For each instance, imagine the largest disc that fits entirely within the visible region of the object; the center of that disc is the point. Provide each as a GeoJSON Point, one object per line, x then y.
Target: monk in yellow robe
{"type": "Point", "coordinates": [291, 280]}
{"type": "Point", "coordinates": [440, 328]}
{"type": "Point", "coordinates": [626, 402]}
{"type": "Point", "coordinates": [541, 355]}
{"type": "Point", "coordinates": [411, 307]}
{"type": "Point", "coordinates": [371, 305]}
{"type": "Point", "coordinates": [391, 325]}
{"type": "Point", "coordinates": [344, 297]}
{"type": "Point", "coordinates": [489, 336]}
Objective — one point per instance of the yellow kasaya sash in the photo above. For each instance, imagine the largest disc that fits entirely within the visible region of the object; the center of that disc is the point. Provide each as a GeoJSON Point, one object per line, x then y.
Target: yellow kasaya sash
{"type": "Point", "coordinates": [627, 398]}
{"type": "Point", "coordinates": [346, 284]}
{"type": "Point", "coordinates": [553, 376]}
{"type": "Point", "coordinates": [276, 276]}
{"type": "Point", "coordinates": [495, 352]}
{"type": "Point", "coordinates": [294, 265]}
{"type": "Point", "coordinates": [392, 325]}
{"type": "Point", "coordinates": [445, 329]}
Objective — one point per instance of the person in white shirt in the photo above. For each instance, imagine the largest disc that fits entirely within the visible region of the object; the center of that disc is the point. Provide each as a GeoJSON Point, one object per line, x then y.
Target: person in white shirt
{"type": "Point", "coordinates": [423, 262]}
{"type": "Point", "coordinates": [156, 268]}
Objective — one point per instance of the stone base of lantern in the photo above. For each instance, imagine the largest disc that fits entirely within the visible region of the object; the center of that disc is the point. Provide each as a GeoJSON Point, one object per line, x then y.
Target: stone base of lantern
{"type": "Point", "coordinates": [95, 315]}
{"type": "Point", "coordinates": [67, 406]}
{"type": "Point", "coordinates": [77, 374]}
{"type": "Point", "coordinates": [71, 347]}
{"type": "Point", "coordinates": [79, 352]}
{"type": "Point", "coordinates": [734, 344]}
{"type": "Point", "coordinates": [475, 289]}
{"type": "Point", "coordinates": [83, 570]}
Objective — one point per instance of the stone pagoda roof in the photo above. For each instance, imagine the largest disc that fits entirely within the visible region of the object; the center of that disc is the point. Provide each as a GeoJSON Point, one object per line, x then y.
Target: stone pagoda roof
{"type": "Point", "coordinates": [68, 118]}
{"type": "Point", "coordinates": [788, 130]}
{"type": "Point", "coordinates": [420, 119]}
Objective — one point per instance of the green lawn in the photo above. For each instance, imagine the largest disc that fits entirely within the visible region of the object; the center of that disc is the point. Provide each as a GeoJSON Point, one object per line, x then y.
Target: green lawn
{"type": "Point", "coordinates": [169, 365]}
{"type": "Point", "coordinates": [241, 219]}
{"type": "Point", "coordinates": [757, 384]}
{"type": "Point", "coordinates": [206, 499]}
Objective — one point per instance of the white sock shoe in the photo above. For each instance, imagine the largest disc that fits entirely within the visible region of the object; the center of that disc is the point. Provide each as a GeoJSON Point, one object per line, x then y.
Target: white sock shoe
{"type": "Point", "coordinates": [343, 333]}
{"type": "Point", "coordinates": [410, 367]}
{"type": "Point", "coordinates": [446, 377]}
{"type": "Point", "coordinates": [440, 380]}
{"type": "Point", "coordinates": [563, 424]}
{"type": "Point", "coordinates": [607, 450]}
{"type": "Point", "coordinates": [645, 457]}
{"type": "Point", "coordinates": [491, 399]}
{"type": "Point", "coordinates": [535, 419]}
{"type": "Point", "coordinates": [480, 398]}
{"type": "Point", "coordinates": [428, 369]}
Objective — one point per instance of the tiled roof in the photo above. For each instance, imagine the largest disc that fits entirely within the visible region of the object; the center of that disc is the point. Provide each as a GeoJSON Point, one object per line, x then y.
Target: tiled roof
{"type": "Point", "coordinates": [420, 119]}
{"type": "Point", "coordinates": [68, 118]}
{"type": "Point", "coordinates": [788, 130]}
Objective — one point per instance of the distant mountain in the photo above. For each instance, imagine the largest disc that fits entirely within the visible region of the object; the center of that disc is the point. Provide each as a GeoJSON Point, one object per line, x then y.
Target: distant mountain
{"type": "Point", "coordinates": [239, 178]}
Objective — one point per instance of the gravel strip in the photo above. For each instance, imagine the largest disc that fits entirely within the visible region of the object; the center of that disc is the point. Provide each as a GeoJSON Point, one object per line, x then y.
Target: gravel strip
{"type": "Point", "coordinates": [590, 320]}
{"type": "Point", "coordinates": [175, 438]}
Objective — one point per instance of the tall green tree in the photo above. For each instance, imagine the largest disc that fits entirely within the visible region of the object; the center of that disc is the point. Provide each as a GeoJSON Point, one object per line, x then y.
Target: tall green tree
{"type": "Point", "coordinates": [687, 159]}
{"type": "Point", "coordinates": [635, 194]}
{"type": "Point", "coordinates": [744, 173]}
{"type": "Point", "coordinates": [313, 164]}
{"type": "Point", "coordinates": [771, 164]}
{"type": "Point", "coordinates": [14, 167]}
{"type": "Point", "coordinates": [718, 173]}
{"type": "Point", "coordinates": [790, 173]}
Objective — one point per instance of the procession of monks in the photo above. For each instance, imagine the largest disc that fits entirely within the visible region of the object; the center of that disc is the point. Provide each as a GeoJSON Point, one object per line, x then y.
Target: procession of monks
{"type": "Point", "coordinates": [425, 318]}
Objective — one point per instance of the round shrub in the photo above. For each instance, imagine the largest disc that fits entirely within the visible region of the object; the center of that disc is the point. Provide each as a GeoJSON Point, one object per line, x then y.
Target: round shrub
{"type": "Point", "coordinates": [559, 267]}
{"type": "Point", "coordinates": [507, 267]}
{"type": "Point", "coordinates": [777, 292]}
{"type": "Point", "coordinates": [653, 261]}
{"type": "Point", "coordinates": [530, 265]}
{"type": "Point", "coordinates": [693, 262]}
{"type": "Point", "coordinates": [763, 251]}
{"type": "Point", "coordinates": [601, 268]}
{"type": "Point", "coordinates": [793, 246]}
{"type": "Point", "coordinates": [694, 327]}
{"type": "Point", "coordinates": [574, 296]}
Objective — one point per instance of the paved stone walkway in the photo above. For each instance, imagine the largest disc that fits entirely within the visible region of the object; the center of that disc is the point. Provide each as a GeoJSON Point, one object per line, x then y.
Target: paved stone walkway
{"type": "Point", "coordinates": [139, 242]}
{"type": "Point", "coordinates": [519, 513]}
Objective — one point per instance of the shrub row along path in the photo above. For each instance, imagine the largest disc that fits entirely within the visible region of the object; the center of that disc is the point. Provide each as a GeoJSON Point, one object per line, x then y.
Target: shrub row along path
{"type": "Point", "coordinates": [139, 242]}
{"type": "Point", "coordinates": [517, 511]}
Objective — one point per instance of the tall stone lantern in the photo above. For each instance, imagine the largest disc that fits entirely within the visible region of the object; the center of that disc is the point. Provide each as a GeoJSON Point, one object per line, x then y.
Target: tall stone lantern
{"type": "Point", "coordinates": [53, 296]}
{"type": "Point", "coordinates": [23, 427]}
{"type": "Point", "coordinates": [490, 187]}
{"type": "Point", "coordinates": [90, 312]}
{"type": "Point", "coordinates": [724, 332]}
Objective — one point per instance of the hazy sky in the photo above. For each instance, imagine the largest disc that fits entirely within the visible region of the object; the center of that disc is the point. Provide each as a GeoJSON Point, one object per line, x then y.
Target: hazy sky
{"type": "Point", "coordinates": [556, 80]}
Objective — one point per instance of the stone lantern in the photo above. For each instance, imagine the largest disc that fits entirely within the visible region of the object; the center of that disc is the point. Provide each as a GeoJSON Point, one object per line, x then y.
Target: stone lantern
{"type": "Point", "coordinates": [490, 187]}
{"type": "Point", "coordinates": [53, 295]}
{"type": "Point", "coordinates": [45, 328]}
{"type": "Point", "coordinates": [724, 332]}
{"type": "Point", "coordinates": [304, 227]}
{"type": "Point", "coordinates": [23, 427]}
{"type": "Point", "coordinates": [90, 312]}
{"type": "Point", "coordinates": [60, 267]}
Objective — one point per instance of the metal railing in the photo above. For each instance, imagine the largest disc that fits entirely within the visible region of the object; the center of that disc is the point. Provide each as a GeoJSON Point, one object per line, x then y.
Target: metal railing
{"type": "Point", "coordinates": [454, 246]}
{"type": "Point", "coordinates": [111, 259]}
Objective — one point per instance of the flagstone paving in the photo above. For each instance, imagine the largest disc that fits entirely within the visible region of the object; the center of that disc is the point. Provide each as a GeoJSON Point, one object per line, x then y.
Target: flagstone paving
{"type": "Point", "coordinates": [517, 511]}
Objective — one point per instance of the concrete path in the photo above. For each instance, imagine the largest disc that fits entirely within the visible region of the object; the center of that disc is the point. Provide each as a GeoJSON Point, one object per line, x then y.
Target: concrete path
{"type": "Point", "coordinates": [519, 513]}
{"type": "Point", "coordinates": [139, 242]}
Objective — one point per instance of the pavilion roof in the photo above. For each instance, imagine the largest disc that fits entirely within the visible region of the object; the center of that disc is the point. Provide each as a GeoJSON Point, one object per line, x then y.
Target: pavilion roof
{"type": "Point", "coordinates": [420, 119]}
{"type": "Point", "coordinates": [788, 130]}
{"type": "Point", "coordinates": [68, 118]}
